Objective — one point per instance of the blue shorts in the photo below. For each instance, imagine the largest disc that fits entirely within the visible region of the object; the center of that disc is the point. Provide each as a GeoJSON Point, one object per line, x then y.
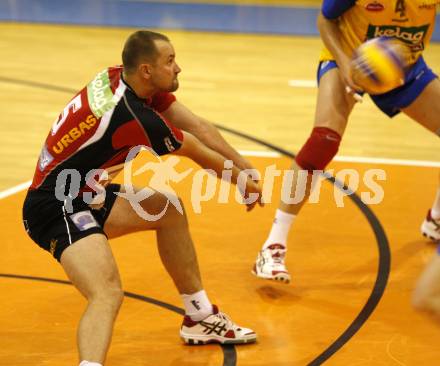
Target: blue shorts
{"type": "Point", "coordinates": [416, 79]}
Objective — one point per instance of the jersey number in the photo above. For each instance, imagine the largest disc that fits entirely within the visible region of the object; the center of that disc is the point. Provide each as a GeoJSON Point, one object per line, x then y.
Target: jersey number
{"type": "Point", "coordinates": [75, 104]}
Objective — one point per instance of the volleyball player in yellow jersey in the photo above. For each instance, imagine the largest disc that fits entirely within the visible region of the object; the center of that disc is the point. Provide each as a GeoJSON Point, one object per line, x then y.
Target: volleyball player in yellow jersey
{"type": "Point", "coordinates": [344, 25]}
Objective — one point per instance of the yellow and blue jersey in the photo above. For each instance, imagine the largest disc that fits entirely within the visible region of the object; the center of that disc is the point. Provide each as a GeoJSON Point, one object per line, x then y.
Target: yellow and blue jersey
{"type": "Point", "coordinates": [410, 21]}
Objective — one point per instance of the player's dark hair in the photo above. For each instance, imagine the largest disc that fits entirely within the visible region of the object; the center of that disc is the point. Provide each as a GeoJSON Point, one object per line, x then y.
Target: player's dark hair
{"type": "Point", "coordinates": [140, 46]}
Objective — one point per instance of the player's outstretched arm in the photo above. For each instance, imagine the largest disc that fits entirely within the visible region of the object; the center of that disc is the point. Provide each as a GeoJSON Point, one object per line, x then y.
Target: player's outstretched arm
{"type": "Point", "coordinates": [205, 131]}
{"type": "Point", "coordinates": [207, 158]}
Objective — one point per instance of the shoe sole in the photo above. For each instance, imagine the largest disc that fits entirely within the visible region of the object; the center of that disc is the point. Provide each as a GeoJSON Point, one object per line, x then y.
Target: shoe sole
{"type": "Point", "coordinates": [430, 237]}
{"type": "Point", "coordinates": [208, 340]}
{"type": "Point", "coordinates": [280, 277]}
{"type": "Point", "coordinates": [427, 233]}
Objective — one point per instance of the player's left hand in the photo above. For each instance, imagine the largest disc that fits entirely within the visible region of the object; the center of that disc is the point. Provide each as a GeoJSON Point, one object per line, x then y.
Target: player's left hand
{"type": "Point", "coordinates": [245, 164]}
{"type": "Point", "coordinates": [252, 188]}
{"type": "Point", "coordinates": [351, 87]}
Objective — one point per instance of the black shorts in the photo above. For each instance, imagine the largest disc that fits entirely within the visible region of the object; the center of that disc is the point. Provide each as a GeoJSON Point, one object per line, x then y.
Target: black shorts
{"type": "Point", "coordinates": [54, 228]}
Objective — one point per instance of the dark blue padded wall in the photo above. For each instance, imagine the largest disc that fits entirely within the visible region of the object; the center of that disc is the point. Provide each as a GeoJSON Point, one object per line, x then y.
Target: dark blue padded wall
{"type": "Point", "coordinates": [162, 14]}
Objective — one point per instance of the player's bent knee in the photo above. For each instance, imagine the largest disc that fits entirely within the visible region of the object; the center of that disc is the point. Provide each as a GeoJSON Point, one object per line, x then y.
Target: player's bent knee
{"type": "Point", "coordinates": [111, 297]}
{"type": "Point", "coordinates": [176, 208]}
{"type": "Point", "coordinates": [319, 149]}
{"type": "Point", "coordinates": [117, 297]}
{"type": "Point", "coordinates": [108, 291]}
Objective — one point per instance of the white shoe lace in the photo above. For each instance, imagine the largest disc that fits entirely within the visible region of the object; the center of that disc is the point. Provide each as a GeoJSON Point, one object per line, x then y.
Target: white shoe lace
{"type": "Point", "coordinates": [226, 319]}
{"type": "Point", "coordinates": [276, 256]}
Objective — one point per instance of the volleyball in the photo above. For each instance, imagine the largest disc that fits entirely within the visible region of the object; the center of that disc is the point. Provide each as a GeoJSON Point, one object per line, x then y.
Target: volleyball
{"type": "Point", "coordinates": [378, 65]}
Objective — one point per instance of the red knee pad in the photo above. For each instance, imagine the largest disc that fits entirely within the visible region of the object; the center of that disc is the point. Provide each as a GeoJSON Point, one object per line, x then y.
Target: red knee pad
{"type": "Point", "coordinates": [319, 150]}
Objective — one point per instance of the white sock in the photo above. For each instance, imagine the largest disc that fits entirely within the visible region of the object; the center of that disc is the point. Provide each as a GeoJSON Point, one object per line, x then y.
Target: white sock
{"type": "Point", "coordinates": [197, 305]}
{"type": "Point", "coordinates": [280, 229]}
{"type": "Point", "coordinates": [435, 210]}
{"type": "Point", "coordinates": [88, 363]}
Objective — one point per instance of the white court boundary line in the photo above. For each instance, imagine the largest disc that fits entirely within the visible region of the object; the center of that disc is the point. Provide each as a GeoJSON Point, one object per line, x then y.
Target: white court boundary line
{"type": "Point", "coordinates": [18, 188]}
{"type": "Point", "coordinates": [385, 161]}
{"type": "Point", "coordinates": [302, 83]}
{"type": "Point", "coordinates": [273, 154]}
{"type": "Point", "coordinates": [354, 159]}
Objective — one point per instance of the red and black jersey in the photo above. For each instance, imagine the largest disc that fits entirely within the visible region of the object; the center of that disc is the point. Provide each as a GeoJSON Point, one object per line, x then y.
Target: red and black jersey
{"type": "Point", "coordinates": [100, 125]}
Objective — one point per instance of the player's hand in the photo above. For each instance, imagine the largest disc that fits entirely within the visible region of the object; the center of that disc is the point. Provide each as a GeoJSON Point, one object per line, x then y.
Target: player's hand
{"type": "Point", "coordinates": [245, 164]}
{"type": "Point", "coordinates": [356, 96]}
{"type": "Point", "coordinates": [252, 188]}
{"type": "Point", "coordinates": [350, 85]}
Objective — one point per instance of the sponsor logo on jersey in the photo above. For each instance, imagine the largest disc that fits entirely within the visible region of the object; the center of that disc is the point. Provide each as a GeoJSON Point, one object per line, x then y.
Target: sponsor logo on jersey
{"type": "Point", "coordinates": [84, 220]}
{"type": "Point", "coordinates": [429, 4]}
{"type": "Point", "coordinates": [413, 36]}
{"type": "Point", "coordinates": [375, 6]}
{"type": "Point", "coordinates": [45, 159]}
{"type": "Point", "coordinates": [100, 94]}
{"type": "Point", "coordinates": [74, 134]}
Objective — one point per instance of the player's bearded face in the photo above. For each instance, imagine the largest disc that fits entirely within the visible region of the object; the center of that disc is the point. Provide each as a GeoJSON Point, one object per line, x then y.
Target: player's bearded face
{"type": "Point", "coordinates": [165, 70]}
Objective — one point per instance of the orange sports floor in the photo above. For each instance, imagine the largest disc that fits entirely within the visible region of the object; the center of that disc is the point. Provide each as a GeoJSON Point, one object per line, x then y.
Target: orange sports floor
{"type": "Point", "coordinates": [333, 258]}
